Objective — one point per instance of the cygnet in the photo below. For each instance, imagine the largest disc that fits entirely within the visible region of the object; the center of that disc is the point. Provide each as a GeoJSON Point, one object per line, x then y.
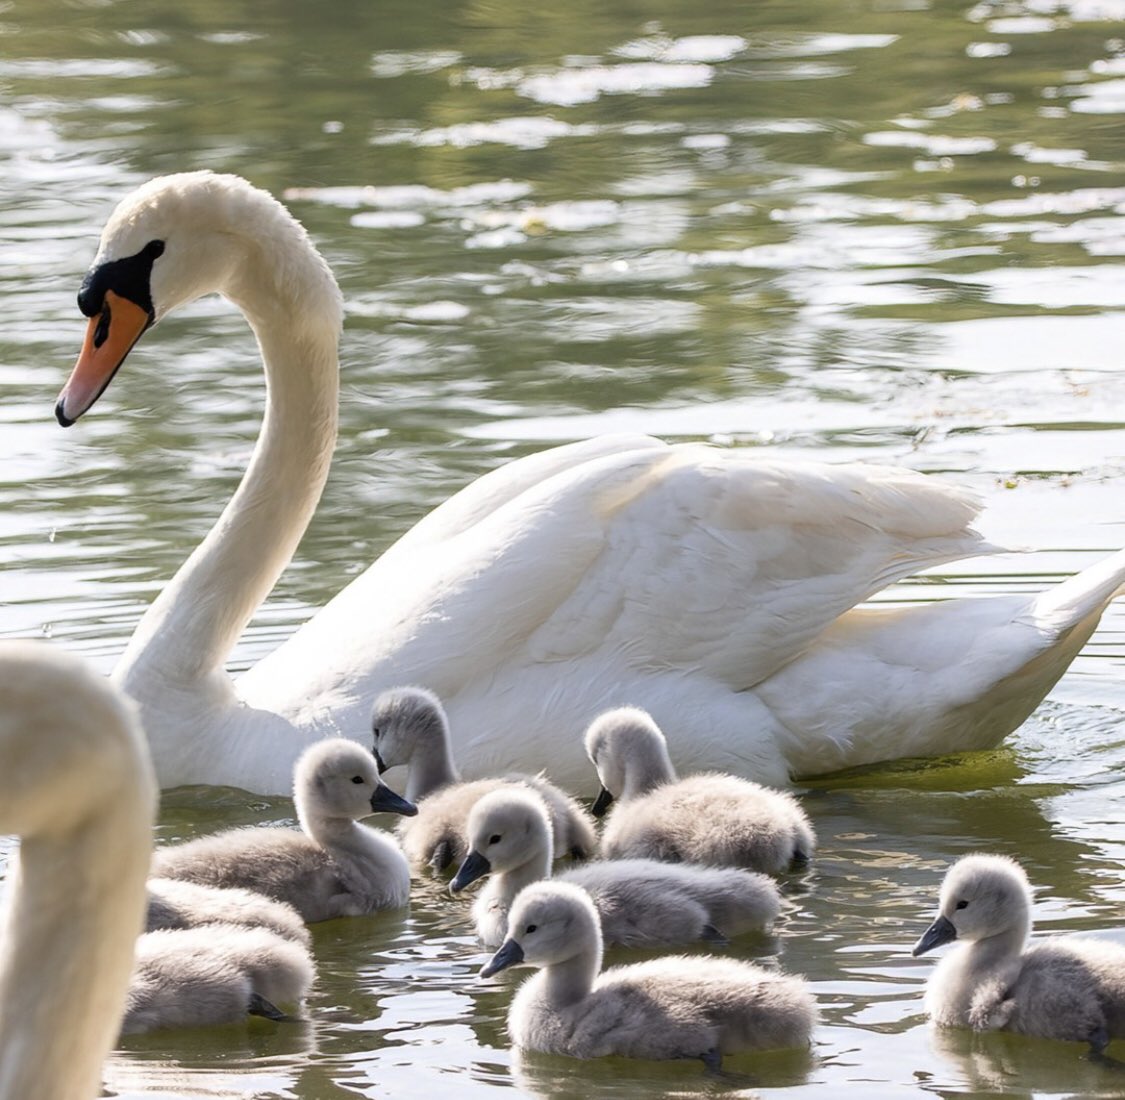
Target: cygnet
{"type": "Point", "coordinates": [410, 728]}
{"type": "Point", "coordinates": [335, 867]}
{"type": "Point", "coordinates": [709, 818]}
{"type": "Point", "coordinates": [670, 1007]}
{"type": "Point", "coordinates": [173, 903]}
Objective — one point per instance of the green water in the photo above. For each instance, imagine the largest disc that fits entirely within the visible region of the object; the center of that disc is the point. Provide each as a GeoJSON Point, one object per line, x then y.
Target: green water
{"type": "Point", "coordinates": [883, 230]}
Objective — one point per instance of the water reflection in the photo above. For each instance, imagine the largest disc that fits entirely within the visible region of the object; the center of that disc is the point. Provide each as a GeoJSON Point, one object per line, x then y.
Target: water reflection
{"type": "Point", "coordinates": [894, 236]}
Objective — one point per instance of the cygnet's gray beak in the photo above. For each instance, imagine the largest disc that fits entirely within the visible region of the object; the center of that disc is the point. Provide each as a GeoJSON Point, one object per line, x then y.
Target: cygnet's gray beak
{"type": "Point", "coordinates": [510, 954]}
{"type": "Point", "coordinates": [474, 866]}
{"type": "Point", "coordinates": [941, 931]}
{"type": "Point", "coordinates": [385, 801]}
{"type": "Point", "coordinates": [601, 803]}
{"type": "Point", "coordinates": [380, 763]}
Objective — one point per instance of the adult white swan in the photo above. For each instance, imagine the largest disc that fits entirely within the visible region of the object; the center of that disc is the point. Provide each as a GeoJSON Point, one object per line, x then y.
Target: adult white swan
{"type": "Point", "coordinates": [77, 786]}
{"type": "Point", "coordinates": [712, 588]}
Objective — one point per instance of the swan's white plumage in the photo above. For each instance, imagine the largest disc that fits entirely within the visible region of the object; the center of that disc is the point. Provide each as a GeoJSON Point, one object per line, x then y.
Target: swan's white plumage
{"type": "Point", "coordinates": [78, 788]}
{"type": "Point", "coordinates": [695, 581]}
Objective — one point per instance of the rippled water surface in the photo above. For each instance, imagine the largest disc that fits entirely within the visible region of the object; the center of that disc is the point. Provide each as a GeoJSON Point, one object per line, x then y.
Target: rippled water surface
{"type": "Point", "coordinates": [890, 230]}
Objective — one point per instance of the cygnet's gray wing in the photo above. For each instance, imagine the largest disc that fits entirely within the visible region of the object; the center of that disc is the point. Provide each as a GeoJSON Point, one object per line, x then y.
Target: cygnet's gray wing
{"type": "Point", "coordinates": [637, 909]}
{"type": "Point", "coordinates": [281, 863]}
{"type": "Point", "coordinates": [645, 900]}
{"type": "Point", "coordinates": [1072, 988]}
{"type": "Point", "coordinates": [718, 820]}
{"type": "Point", "coordinates": [212, 975]}
{"type": "Point", "coordinates": [174, 903]}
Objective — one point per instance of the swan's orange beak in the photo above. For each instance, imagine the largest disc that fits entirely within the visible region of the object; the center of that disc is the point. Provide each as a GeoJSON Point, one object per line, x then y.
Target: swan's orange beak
{"type": "Point", "coordinates": [110, 337]}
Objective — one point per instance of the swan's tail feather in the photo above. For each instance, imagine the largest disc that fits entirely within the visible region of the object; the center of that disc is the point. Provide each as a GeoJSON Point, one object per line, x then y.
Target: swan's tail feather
{"type": "Point", "coordinates": [1069, 603]}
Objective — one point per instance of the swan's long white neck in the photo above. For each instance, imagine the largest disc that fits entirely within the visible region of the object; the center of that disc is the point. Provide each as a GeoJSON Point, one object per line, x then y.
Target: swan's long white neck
{"type": "Point", "coordinates": [188, 632]}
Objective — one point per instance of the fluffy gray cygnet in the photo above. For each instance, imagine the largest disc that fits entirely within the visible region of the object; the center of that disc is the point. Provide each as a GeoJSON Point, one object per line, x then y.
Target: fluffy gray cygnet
{"type": "Point", "coordinates": [335, 867]}
{"type": "Point", "coordinates": [173, 903]}
{"type": "Point", "coordinates": [214, 974]}
{"type": "Point", "coordinates": [671, 1007]}
{"type": "Point", "coordinates": [639, 901]}
{"type": "Point", "coordinates": [1058, 988]}
{"type": "Point", "coordinates": [710, 818]}
{"type": "Point", "coordinates": [410, 728]}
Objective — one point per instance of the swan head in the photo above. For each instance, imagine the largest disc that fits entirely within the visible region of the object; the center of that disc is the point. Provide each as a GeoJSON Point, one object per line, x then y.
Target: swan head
{"type": "Point", "coordinates": [336, 779]}
{"type": "Point", "coordinates": [629, 753]}
{"type": "Point", "coordinates": [172, 241]}
{"type": "Point", "coordinates": [981, 896]}
{"type": "Point", "coordinates": [406, 720]}
{"type": "Point", "coordinates": [507, 828]}
{"type": "Point", "coordinates": [550, 923]}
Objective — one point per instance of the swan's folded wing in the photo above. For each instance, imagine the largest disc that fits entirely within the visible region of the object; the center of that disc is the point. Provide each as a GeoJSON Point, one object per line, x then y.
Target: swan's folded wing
{"type": "Point", "coordinates": [662, 558]}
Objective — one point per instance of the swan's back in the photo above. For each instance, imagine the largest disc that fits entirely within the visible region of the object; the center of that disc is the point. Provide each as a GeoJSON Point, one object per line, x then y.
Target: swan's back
{"type": "Point", "coordinates": [216, 974]}
{"type": "Point", "coordinates": [174, 903]}
{"type": "Point", "coordinates": [78, 789]}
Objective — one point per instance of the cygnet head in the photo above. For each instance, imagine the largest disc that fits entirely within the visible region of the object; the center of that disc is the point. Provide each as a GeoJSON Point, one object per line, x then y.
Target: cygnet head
{"type": "Point", "coordinates": [549, 923]}
{"type": "Point", "coordinates": [507, 828]}
{"type": "Point", "coordinates": [981, 896]}
{"type": "Point", "coordinates": [630, 754]}
{"type": "Point", "coordinates": [406, 719]}
{"type": "Point", "coordinates": [337, 779]}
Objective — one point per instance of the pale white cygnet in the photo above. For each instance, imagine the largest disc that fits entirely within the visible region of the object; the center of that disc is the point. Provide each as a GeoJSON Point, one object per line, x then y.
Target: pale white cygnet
{"type": "Point", "coordinates": [671, 1007]}
{"type": "Point", "coordinates": [335, 867]}
{"type": "Point", "coordinates": [1058, 988]}
{"type": "Point", "coordinates": [214, 974]}
{"type": "Point", "coordinates": [710, 818]}
{"type": "Point", "coordinates": [639, 901]}
{"type": "Point", "coordinates": [174, 903]}
{"type": "Point", "coordinates": [410, 728]}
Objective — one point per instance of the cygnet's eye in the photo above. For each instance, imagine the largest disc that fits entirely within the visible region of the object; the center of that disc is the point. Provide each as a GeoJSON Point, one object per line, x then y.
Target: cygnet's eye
{"type": "Point", "coordinates": [530, 928]}
{"type": "Point", "coordinates": [357, 778]}
{"type": "Point", "coordinates": [494, 839]}
{"type": "Point", "coordinates": [962, 904]}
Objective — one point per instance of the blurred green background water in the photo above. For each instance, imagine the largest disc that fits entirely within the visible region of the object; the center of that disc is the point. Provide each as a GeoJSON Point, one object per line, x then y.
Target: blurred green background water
{"type": "Point", "coordinates": [881, 230]}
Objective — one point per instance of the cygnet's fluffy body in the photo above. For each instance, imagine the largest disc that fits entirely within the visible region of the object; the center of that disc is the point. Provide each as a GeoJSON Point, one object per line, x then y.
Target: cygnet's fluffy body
{"type": "Point", "coordinates": [639, 901]}
{"type": "Point", "coordinates": [672, 1007]}
{"type": "Point", "coordinates": [1059, 988]}
{"type": "Point", "coordinates": [217, 974]}
{"type": "Point", "coordinates": [410, 728]}
{"type": "Point", "coordinates": [711, 818]}
{"type": "Point", "coordinates": [335, 867]}
{"type": "Point", "coordinates": [173, 903]}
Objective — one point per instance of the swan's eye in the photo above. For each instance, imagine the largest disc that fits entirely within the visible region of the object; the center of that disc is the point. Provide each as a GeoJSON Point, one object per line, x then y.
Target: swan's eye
{"type": "Point", "coordinates": [530, 928]}
{"type": "Point", "coordinates": [494, 839]}
{"type": "Point", "coordinates": [962, 904]}
{"type": "Point", "coordinates": [357, 778]}
{"type": "Point", "coordinates": [153, 249]}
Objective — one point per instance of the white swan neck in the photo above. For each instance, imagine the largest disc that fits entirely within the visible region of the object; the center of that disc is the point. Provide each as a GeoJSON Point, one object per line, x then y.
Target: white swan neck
{"type": "Point", "coordinates": [187, 633]}
{"type": "Point", "coordinates": [75, 906]}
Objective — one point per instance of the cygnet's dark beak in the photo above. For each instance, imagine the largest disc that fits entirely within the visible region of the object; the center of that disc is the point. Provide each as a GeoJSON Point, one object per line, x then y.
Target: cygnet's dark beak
{"type": "Point", "coordinates": [380, 763]}
{"type": "Point", "coordinates": [474, 866]}
{"type": "Point", "coordinates": [385, 801]}
{"type": "Point", "coordinates": [510, 954]}
{"type": "Point", "coordinates": [941, 931]}
{"type": "Point", "coordinates": [601, 803]}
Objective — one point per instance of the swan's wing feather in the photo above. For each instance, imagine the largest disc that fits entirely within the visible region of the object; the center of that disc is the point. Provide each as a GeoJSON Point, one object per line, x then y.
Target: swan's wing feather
{"type": "Point", "coordinates": [682, 557]}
